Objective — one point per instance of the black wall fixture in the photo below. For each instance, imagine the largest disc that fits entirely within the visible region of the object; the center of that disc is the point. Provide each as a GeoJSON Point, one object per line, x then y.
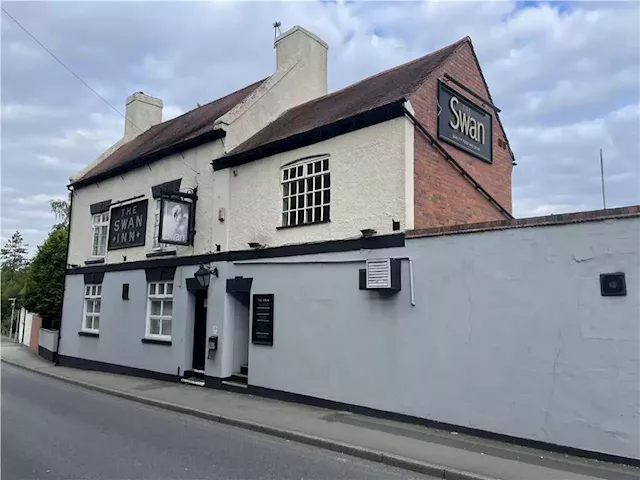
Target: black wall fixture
{"type": "Point", "coordinates": [125, 291]}
{"type": "Point", "coordinates": [613, 284]}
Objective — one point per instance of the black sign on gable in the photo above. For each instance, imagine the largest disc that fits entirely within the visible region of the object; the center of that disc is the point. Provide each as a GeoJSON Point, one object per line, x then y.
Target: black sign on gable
{"type": "Point", "coordinates": [128, 225]}
{"type": "Point", "coordinates": [464, 125]}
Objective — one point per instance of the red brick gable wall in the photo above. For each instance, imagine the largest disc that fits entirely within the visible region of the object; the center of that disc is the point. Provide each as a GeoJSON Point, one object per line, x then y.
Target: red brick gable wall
{"type": "Point", "coordinates": [441, 195]}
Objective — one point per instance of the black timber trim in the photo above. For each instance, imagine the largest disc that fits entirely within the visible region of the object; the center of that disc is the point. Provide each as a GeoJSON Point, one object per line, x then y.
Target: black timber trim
{"type": "Point", "coordinates": [93, 278]}
{"type": "Point", "coordinates": [88, 334]}
{"type": "Point", "coordinates": [151, 158]}
{"type": "Point", "coordinates": [156, 341]}
{"type": "Point", "coordinates": [160, 274]}
{"type": "Point", "coordinates": [84, 364]}
{"type": "Point", "coordinates": [332, 246]}
{"type": "Point", "coordinates": [162, 253]}
{"type": "Point", "coordinates": [100, 207]}
{"type": "Point", "coordinates": [213, 382]}
{"type": "Point", "coordinates": [47, 354]}
{"type": "Point", "coordinates": [193, 285]}
{"type": "Point", "coordinates": [239, 285]}
{"type": "Point", "coordinates": [319, 134]}
{"type": "Point", "coordinates": [94, 261]}
{"type": "Point", "coordinates": [166, 187]}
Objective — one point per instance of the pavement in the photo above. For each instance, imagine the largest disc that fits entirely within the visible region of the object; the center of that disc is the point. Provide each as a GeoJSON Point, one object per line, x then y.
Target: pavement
{"type": "Point", "coordinates": [53, 430]}
{"type": "Point", "coordinates": [415, 448]}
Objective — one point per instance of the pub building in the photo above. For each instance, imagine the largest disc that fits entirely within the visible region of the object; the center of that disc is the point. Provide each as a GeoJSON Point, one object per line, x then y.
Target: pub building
{"type": "Point", "coordinates": [184, 231]}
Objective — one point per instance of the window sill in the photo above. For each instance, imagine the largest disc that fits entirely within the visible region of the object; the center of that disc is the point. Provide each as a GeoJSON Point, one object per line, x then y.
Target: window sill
{"type": "Point", "coordinates": [156, 341]}
{"type": "Point", "coordinates": [94, 261]}
{"type": "Point", "coordinates": [161, 253]}
{"type": "Point", "coordinates": [84, 333]}
{"type": "Point", "coordinates": [284, 227]}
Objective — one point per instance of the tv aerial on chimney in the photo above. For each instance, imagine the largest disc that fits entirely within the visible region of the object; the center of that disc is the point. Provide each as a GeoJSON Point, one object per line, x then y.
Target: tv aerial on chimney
{"type": "Point", "coordinates": [276, 29]}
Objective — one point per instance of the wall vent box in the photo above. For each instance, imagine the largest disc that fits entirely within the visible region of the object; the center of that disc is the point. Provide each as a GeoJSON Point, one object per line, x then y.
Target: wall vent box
{"type": "Point", "coordinates": [613, 284]}
{"type": "Point", "coordinates": [382, 274]}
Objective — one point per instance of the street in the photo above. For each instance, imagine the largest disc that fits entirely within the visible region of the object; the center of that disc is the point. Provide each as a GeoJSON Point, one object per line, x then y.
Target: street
{"type": "Point", "coordinates": [53, 430]}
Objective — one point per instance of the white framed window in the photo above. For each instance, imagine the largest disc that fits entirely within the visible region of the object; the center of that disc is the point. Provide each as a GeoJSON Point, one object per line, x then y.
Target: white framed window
{"type": "Point", "coordinates": [99, 234]}
{"type": "Point", "coordinates": [92, 304]}
{"type": "Point", "coordinates": [159, 310]}
{"type": "Point", "coordinates": [306, 193]}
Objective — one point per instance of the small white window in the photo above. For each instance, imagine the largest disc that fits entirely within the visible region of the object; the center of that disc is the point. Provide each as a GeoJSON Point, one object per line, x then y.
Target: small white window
{"type": "Point", "coordinates": [160, 310]}
{"type": "Point", "coordinates": [306, 193]}
{"type": "Point", "coordinates": [92, 306]}
{"type": "Point", "coordinates": [99, 234]}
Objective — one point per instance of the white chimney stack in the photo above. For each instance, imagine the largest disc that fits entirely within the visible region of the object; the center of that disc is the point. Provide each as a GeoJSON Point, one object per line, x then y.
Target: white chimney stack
{"type": "Point", "coordinates": [142, 112]}
{"type": "Point", "coordinates": [300, 46]}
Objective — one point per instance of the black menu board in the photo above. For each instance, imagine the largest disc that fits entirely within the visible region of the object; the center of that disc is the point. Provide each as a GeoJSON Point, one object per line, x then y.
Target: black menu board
{"type": "Point", "coordinates": [262, 324]}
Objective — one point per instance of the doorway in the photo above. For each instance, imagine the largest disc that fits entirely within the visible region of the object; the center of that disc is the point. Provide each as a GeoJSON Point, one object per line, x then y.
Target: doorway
{"type": "Point", "coordinates": [200, 332]}
{"type": "Point", "coordinates": [241, 334]}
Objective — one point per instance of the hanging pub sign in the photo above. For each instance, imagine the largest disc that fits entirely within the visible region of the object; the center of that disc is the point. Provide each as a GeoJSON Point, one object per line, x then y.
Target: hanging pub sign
{"type": "Point", "coordinates": [175, 221]}
{"type": "Point", "coordinates": [464, 125]}
{"type": "Point", "coordinates": [128, 225]}
{"type": "Point", "coordinates": [262, 324]}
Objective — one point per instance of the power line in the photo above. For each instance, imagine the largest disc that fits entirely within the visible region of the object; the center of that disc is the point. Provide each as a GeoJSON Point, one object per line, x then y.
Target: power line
{"type": "Point", "coordinates": [80, 78]}
{"type": "Point", "coordinates": [66, 67]}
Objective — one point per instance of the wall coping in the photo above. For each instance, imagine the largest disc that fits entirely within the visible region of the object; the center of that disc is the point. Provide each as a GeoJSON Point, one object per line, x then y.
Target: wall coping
{"type": "Point", "coordinates": [545, 221]}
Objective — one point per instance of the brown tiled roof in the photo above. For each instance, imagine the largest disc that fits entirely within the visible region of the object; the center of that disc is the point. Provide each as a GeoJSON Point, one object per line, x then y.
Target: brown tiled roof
{"type": "Point", "coordinates": [382, 89]}
{"type": "Point", "coordinates": [166, 137]}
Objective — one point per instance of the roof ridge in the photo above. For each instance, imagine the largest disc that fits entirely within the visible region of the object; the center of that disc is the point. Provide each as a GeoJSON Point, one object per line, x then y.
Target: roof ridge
{"type": "Point", "coordinates": [461, 41]}
{"type": "Point", "coordinates": [405, 64]}
{"type": "Point", "coordinates": [209, 103]}
{"type": "Point", "coordinates": [458, 45]}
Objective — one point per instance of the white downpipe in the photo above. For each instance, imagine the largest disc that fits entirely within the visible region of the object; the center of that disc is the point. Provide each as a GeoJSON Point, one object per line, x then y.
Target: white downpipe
{"type": "Point", "coordinates": [307, 262]}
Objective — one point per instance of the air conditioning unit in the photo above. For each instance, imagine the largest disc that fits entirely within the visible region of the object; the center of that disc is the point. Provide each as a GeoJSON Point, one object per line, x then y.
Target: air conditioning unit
{"type": "Point", "coordinates": [381, 274]}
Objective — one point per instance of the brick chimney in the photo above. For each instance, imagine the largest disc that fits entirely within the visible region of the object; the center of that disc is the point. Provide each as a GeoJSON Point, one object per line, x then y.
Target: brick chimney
{"type": "Point", "coordinates": [142, 112]}
{"type": "Point", "coordinates": [302, 46]}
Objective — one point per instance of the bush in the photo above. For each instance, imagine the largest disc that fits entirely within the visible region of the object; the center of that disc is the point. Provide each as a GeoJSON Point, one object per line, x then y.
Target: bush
{"type": "Point", "coordinates": [44, 287]}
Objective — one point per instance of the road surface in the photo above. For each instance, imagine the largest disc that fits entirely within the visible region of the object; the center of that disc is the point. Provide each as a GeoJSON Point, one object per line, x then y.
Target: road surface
{"type": "Point", "coordinates": [53, 430]}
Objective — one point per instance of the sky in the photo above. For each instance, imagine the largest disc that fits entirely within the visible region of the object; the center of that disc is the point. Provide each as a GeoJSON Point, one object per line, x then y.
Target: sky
{"type": "Point", "coordinates": [565, 75]}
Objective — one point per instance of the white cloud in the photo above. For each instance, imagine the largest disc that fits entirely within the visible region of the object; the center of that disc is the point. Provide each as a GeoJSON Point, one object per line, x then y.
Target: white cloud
{"type": "Point", "coordinates": [565, 76]}
{"type": "Point", "coordinates": [53, 162]}
{"type": "Point", "coordinates": [39, 199]}
{"type": "Point", "coordinates": [22, 113]}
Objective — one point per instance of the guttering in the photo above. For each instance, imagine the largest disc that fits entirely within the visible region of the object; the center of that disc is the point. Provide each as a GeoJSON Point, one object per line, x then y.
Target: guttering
{"type": "Point", "coordinates": [340, 127]}
{"type": "Point", "coordinates": [150, 158]}
{"type": "Point", "coordinates": [64, 281]}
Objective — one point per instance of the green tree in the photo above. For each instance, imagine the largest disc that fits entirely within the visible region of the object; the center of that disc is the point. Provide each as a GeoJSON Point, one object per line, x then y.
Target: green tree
{"type": "Point", "coordinates": [45, 280]}
{"type": "Point", "coordinates": [61, 210]}
{"type": "Point", "coordinates": [14, 261]}
{"type": "Point", "coordinates": [14, 254]}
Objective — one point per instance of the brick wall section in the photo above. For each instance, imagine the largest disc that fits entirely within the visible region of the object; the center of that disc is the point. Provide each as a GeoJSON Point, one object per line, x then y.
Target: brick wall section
{"type": "Point", "coordinates": [36, 323]}
{"type": "Point", "coordinates": [441, 195]}
{"type": "Point", "coordinates": [548, 220]}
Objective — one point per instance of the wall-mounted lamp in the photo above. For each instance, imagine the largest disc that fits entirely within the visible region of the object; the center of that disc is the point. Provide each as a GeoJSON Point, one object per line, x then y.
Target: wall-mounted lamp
{"type": "Point", "coordinates": [203, 275]}
{"type": "Point", "coordinates": [255, 245]}
{"type": "Point", "coordinates": [368, 232]}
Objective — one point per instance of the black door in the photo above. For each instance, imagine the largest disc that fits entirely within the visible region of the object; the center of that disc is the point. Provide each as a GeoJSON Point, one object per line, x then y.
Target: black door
{"type": "Point", "coordinates": [200, 331]}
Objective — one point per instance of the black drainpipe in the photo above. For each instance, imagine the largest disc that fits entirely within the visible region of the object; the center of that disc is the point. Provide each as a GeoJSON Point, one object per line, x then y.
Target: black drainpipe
{"type": "Point", "coordinates": [64, 279]}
